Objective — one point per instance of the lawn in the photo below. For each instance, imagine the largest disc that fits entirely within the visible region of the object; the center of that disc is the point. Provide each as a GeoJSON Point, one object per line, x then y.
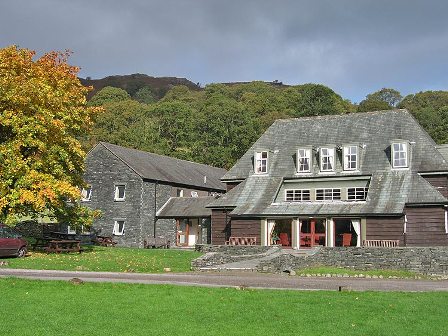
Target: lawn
{"type": "Point", "coordinates": [323, 270]}
{"type": "Point", "coordinates": [62, 308]}
{"type": "Point", "coordinates": [108, 259]}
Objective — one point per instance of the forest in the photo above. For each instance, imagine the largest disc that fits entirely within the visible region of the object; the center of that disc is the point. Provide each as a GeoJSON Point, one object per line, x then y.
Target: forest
{"type": "Point", "coordinates": [216, 124]}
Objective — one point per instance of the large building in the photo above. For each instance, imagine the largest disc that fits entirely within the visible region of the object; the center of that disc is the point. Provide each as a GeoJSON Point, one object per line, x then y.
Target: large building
{"type": "Point", "coordinates": [338, 180]}
{"type": "Point", "coordinates": [129, 186]}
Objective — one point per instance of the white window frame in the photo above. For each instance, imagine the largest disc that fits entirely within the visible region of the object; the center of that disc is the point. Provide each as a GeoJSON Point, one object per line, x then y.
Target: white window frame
{"type": "Point", "coordinates": [259, 160]}
{"type": "Point", "coordinates": [306, 156]}
{"type": "Point", "coordinates": [403, 148]}
{"type": "Point", "coordinates": [70, 230]}
{"type": "Point", "coordinates": [116, 230]}
{"type": "Point", "coordinates": [359, 194]}
{"type": "Point", "coordinates": [117, 192]}
{"type": "Point", "coordinates": [297, 195]}
{"type": "Point", "coordinates": [329, 194]}
{"type": "Point", "coordinates": [330, 156]}
{"type": "Point", "coordinates": [348, 154]}
{"type": "Point", "coordinates": [180, 192]}
{"type": "Point", "coordinates": [86, 194]}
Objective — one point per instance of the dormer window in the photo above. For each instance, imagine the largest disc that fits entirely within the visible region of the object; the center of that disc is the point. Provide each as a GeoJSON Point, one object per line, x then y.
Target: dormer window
{"type": "Point", "coordinates": [261, 162]}
{"type": "Point", "coordinates": [304, 160]}
{"type": "Point", "coordinates": [327, 159]}
{"type": "Point", "coordinates": [350, 157]}
{"type": "Point", "coordinates": [399, 155]}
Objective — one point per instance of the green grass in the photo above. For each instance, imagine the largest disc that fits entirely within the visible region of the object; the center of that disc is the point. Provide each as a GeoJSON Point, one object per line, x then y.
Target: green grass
{"type": "Point", "coordinates": [103, 259]}
{"type": "Point", "coordinates": [335, 270]}
{"type": "Point", "coordinates": [61, 308]}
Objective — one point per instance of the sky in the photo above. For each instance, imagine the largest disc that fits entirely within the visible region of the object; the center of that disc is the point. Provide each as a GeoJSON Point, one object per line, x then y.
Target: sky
{"type": "Point", "coordinates": [355, 47]}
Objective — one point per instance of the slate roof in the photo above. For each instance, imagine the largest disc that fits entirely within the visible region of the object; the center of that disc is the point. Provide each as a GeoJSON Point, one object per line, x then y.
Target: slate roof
{"type": "Point", "coordinates": [443, 149]}
{"type": "Point", "coordinates": [389, 190]}
{"type": "Point", "coordinates": [167, 169]}
{"type": "Point", "coordinates": [186, 207]}
{"type": "Point", "coordinates": [375, 130]}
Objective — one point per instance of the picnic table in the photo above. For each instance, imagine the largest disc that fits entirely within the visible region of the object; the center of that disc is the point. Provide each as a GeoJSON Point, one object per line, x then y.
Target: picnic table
{"type": "Point", "coordinates": [58, 246]}
{"type": "Point", "coordinates": [52, 245]}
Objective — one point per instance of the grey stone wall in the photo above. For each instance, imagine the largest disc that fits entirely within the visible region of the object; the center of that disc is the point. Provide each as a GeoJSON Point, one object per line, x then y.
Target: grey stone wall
{"type": "Point", "coordinates": [165, 228]}
{"type": "Point", "coordinates": [424, 260]}
{"type": "Point", "coordinates": [103, 171]}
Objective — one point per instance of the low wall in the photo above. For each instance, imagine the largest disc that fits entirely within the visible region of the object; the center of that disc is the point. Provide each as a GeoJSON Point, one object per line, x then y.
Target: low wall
{"type": "Point", "coordinates": [424, 260]}
{"type": "Point", "coordinates": [222, 254]}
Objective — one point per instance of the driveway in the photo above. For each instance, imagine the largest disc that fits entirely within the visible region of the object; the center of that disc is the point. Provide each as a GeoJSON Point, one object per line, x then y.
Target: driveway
{"type": "Point", "coordinates": [240, 279]}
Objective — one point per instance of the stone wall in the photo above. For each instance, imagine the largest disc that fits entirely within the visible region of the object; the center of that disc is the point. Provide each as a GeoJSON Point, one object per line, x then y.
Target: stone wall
{"type": "Point", "coordinates": [222, 254]}
{"type": "Point", "coordinates": [424, 260]}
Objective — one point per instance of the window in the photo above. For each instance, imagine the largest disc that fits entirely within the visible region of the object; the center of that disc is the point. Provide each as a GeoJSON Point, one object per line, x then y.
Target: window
{"type": "Point", "coordinates": [71, 230]}
{"type": "Point", "coordinates": [327, 159]}
{"type": "Point", "coordinates": [86, 193]}
{"type": "Point", "coordinates": [180, 193]}
{"type": "Point", "coordinates": [303, 160]}
{"type": "Point", "coordinates": [350, 158]}
{"type": "Point", "coordinates": [261, 162]}
{"type": "Point", "coordinates": [120, 192]}
{"type": "Point", "coordinates": [357, 194]}
{"type": "Point", "coordinates": [399, 155]}
{"type": "Point", "coordinates": [297, 195]}
{"type": "Point", "coordinates": [118, 228]}
{"type": "Point", "coordinates": [328, 194]}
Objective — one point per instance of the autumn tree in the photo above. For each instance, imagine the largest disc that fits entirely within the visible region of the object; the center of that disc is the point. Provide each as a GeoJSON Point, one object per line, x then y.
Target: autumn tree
{"type": "Point", "coordinates": [42, 112]}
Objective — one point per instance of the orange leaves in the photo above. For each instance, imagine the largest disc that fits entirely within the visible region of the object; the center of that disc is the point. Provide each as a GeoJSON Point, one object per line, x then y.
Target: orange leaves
{"type": "Point", "coordinates": [43, 108]}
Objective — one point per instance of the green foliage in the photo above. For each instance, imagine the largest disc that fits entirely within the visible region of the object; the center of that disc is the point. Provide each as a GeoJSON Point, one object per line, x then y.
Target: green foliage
{"type": "Point", "coordinates": [144, 95]}
{"type": "Point", "coordinates": [430, 108]}
{"type": "Point", "coordinates": [109, 94]}
{"type": "Point", "coordinates": [384, 99]}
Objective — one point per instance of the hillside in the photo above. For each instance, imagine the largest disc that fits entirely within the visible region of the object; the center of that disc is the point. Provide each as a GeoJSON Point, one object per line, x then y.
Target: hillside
{"type": "Point", "coordinates": [132, 83]}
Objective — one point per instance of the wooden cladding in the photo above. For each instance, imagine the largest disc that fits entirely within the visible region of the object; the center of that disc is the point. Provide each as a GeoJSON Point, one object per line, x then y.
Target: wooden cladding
{"type": "Point", "coordinates": [219, 230]}
{"type": "Point", "coordinates": [245, 227]}
{"type": "Point", "coordinates": [440, 182]}
{"type": "Point", "coordinates": [426, 226]}
{"type": "Point", "coordinates": [223, 227]}
{"type": "Point", "coordinates": [385, 228]}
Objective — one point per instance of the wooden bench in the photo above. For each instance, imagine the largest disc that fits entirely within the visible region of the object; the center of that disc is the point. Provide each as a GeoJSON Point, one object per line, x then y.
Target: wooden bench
{"type": "Point", "coordinates": [380, 243]}
{"type": "Point", "coordinates": [242, 241]}
{"type": "Point", "coordinates": [104, 241]}
{"type": "Point", "coordinates": [152, 242]}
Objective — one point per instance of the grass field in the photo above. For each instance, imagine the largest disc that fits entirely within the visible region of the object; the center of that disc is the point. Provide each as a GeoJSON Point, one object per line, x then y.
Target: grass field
{"type": "Point", "coordinates": [105, 259]}
{"type": "Point", "coordinates": [61, 308]}
{"type": "Point", "coordinates": [384, 273]}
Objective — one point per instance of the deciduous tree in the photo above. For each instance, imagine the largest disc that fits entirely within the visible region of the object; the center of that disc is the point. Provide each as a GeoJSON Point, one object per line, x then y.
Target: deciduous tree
{"type": "Point", "coordinates": [42, 112]}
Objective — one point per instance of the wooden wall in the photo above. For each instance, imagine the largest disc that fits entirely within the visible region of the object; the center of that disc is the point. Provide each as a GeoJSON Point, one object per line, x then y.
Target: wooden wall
{"type": "Point", "coordinates": [426, 226]}
{"type": "Point", "coordinates": [218, 226]}
{"type": "Point", "coordinates": [440, 182]}
{"type": "Point", "coordinates": [246, 227]}
{"type": "Point", "coordinates": [385, 228]}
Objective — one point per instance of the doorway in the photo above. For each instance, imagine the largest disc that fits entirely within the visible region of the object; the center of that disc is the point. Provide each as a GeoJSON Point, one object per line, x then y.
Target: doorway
{"type": "Point", "coordinates": [187, 232]}
{"type": "Point", "coordinates": [344, 232]}
{"type": "Point", "coordinates": [281, 234]}
{"type": "Point", "coordinates": [312, 232]}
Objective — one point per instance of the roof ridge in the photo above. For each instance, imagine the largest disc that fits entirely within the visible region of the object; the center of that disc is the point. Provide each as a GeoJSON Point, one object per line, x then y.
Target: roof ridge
{"type": "Point", "coordinates": [349, 114]}
{"type": "Point", "coordinates": [159, 155]}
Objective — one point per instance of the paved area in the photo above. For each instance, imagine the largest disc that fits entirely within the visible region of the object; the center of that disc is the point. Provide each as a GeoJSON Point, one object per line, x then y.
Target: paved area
{"type": "Point", "coordinates": [240, 279]}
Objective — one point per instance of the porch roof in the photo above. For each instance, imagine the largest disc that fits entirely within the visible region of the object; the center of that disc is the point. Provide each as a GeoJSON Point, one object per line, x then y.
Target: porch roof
{"type": "Point", "coordinates": [186, 207]}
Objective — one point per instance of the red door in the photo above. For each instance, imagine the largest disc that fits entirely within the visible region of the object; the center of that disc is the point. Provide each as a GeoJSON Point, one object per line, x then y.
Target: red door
{"type": "Point", "coordinates": [312, 232]}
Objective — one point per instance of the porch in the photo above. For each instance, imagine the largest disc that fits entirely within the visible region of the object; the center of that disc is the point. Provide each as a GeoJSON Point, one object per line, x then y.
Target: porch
{"type": "Point", "coordinates": [303, 233]}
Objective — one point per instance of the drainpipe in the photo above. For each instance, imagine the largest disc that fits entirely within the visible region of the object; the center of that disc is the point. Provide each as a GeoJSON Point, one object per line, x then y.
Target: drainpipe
{"type": "Point", "coordinates": [446, 218]}
{"type": "Point", "coordinates": [404, 229]}
{"type": "Point", "coordinates": [155, 207]}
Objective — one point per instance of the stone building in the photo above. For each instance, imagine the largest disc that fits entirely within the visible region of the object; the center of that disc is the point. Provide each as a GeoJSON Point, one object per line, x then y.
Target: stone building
{"type": "Point", "coordinates": [129, 186]}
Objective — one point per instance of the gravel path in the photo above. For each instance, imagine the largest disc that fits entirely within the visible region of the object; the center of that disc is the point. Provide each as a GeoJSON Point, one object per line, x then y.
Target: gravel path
{"type": "Point", "coordinates": [240, 279]}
